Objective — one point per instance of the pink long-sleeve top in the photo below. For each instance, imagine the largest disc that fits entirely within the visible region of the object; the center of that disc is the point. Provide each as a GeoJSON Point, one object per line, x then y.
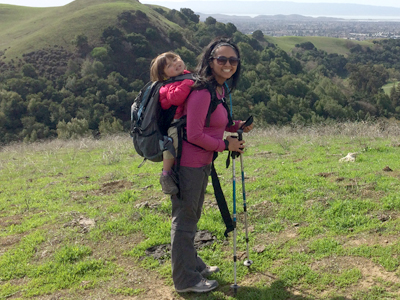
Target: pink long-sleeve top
{"type": "Point", "coordinates": [175, 93]}
{"type": "Point", "coordinates": [210, 139]}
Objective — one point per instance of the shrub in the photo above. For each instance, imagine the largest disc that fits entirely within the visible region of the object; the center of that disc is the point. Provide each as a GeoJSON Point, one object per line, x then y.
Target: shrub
{"type": "Point", "coordinates": [107, 127]}
{"type": "Point", "coordinates": [100, 53]}
{"type": "Point", "coordinates": [72, 130]}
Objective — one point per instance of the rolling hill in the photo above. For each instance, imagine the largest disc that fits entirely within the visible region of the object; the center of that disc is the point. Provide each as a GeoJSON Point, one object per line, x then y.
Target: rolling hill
{"type": "Point", "coordinates": [330, 45]}
{"type": "Point", "coordinates": [26, 29]}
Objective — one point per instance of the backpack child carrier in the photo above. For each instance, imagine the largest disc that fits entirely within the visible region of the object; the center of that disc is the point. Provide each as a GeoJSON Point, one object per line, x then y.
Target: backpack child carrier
{"type": "Point", "coordinates": [150, 123]}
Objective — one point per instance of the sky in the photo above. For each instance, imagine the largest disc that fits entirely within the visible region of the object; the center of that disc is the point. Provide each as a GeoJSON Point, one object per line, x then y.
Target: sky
{"type": "Point", "coordinates": [50, 3]}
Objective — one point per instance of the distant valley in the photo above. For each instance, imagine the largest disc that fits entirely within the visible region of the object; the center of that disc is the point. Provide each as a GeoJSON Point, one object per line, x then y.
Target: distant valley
{"type": "Point", "coordinates": [286, 8]}
{"type": "Point", "coordinates": [298, 25]}
{"type": "Point", "coordinates": [276, 19]}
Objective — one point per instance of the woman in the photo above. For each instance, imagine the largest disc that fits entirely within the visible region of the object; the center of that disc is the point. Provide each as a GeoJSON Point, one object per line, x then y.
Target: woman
{"type": "Point", "coordinates": [220, 63]}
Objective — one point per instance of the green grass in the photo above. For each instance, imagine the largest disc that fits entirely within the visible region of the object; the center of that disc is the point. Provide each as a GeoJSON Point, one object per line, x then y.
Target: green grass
{"type": "Point", "coordinates": [388, 87]}
{"type": "Point", "coordinates": [318, 228]}
{"type": "Point", "coordinates": [328, 44]}
{"type": "Point", "coordinates": [26, 29]}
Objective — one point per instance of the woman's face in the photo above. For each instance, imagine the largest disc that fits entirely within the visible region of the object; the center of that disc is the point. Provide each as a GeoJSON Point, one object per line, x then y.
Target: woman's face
{"type": "Point", "coordinates": [221, 71]}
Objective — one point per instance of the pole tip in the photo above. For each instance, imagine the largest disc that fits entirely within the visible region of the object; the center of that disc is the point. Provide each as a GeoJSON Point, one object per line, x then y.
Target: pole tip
{"type": "Point", "coordinates": [235, 288]}
{"type": "Point", "coordinates": [248, 262]}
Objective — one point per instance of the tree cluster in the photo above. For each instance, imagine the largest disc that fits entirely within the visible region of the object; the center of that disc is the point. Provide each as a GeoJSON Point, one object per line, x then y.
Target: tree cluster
{"type": "Point", "coordinates": [92, 89]}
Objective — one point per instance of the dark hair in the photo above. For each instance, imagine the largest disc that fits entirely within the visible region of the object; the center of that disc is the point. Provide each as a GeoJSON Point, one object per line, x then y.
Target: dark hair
{"type": "Point", "coordinates": [203, 71]}
{"type": "Point", "coordinates": [158, 64]}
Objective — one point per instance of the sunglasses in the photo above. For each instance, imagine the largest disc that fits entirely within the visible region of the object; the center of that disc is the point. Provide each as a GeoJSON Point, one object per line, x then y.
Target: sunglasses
{"type": "Point", "coordinates": [222, 60]}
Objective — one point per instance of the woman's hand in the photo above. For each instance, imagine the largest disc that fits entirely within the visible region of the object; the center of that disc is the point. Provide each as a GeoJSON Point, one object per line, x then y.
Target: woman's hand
{"type": "Point", "coordinates": [235, 144]}
{"type": "Point", "coordinates": [247, 128]}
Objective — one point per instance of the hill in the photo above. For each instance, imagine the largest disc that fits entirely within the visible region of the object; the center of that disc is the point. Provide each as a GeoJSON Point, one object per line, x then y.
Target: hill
{"type": "Point", "coordinates": [26, 29]}
{"type": "Point", "coordinates": [50, 87]}
{"type": "Point", "coordinates": [330, 45]}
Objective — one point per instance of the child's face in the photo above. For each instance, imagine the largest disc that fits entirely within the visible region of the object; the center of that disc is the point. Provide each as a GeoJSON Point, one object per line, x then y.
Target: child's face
{"type": "Point", "coordinates": [174, 67]}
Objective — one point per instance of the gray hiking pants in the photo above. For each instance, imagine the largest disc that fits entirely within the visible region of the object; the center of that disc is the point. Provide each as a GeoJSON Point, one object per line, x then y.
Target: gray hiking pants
{"type": "Point", "coordinates": [186, 212]}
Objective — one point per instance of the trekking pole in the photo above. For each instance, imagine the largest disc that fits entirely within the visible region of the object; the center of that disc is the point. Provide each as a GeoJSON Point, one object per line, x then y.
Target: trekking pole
{"type": "Point", "coordinates": [234, 155]}
{"type": "Point", "coordinates": [247, 262]}
{"type": "Point", "coordinates": [234, 286]}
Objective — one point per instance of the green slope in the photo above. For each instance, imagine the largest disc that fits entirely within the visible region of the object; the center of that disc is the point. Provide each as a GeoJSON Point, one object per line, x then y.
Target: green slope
{"type": "Point", "coordinates": [388, 87]}
{"type": "Point", "coordinates": [25, 29]}
{"type": "Point", "coordinates": [330, 45]}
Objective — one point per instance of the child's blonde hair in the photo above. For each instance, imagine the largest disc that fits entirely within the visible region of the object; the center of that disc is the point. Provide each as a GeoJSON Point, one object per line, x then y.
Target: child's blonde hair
{"type": "Point", "coordinates": [158, 64]}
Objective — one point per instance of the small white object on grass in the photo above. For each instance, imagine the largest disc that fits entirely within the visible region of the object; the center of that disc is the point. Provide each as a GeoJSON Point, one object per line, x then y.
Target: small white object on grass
{"type": "Point", "coordinates": [350, 157]}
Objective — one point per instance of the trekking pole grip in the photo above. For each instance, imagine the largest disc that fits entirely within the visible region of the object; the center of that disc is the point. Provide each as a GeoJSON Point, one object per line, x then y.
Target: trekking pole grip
{"type": "Point", "coordinates": [235, 154]}
{"type": "Point", "coordinates": [240, 134]}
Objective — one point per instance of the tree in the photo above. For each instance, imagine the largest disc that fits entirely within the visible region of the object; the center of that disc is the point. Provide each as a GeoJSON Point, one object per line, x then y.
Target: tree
{"type": "Point", "coordinates": [395, 95]}
{"type": "Point", "coordinates": [175, 36]}
{"type": "Point", "coordinates": [249, 55]}
{"type": "Point", "coordinates": [140, 45]}
{"type": "Point", "coordinates": [190, 15]}
{"type": "Point", "coordinates": [189, 57]}
{"type": "Point", "coordinates": [100, 53]}
{"type": "Point", "coordinates": [177, 17]}
{"type": "Point", "coordinates": [230, 29]}
{"type": "Point", "coordinates": [367, 78]}
{"type": "Point", "coordinates": [29, 70]}
{"type": "Point", "coordinates": [210, 21]}
{"type": "Point", "coordinates": [113, 37]}
{"type": "Point", "coordinates": [13, 107]}
{"type": "Point", "coordinates": [74, 129]}
{"type": "Point", "coordinates": [81, 43]}
{"type": "Point", "coordinates": [258, 35]}
{"type": "Point", "coordinates": [306, 46]}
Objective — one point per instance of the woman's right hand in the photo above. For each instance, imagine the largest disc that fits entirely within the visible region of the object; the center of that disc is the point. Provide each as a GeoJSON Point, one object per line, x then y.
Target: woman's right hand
{"type": "Point", "coordinates": [235, 144]}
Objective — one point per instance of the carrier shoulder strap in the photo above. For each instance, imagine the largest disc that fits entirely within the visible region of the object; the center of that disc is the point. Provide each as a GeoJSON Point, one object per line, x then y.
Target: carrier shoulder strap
{"type": "Point", "coordinates": [214, 104]}
{"type": "Point", "coordinates": [190, 76]}
{"type": "Point", "coordinates": [218, 192]}
{"type": "Point", "coordinates": [220, 197]}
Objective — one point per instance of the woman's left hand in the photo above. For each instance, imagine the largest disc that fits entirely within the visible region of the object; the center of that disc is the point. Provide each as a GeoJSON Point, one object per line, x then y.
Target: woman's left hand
{"type": "Point", "coordinates": [247, 128]}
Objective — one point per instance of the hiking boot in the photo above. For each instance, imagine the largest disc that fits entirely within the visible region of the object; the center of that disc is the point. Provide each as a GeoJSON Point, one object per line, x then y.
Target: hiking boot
{"type": "Point", "coordinates": [209, 270]}
{"type": "Point", "coordinates": [203, 286]}
{"type": "Point", "coordinates": [168, 185]}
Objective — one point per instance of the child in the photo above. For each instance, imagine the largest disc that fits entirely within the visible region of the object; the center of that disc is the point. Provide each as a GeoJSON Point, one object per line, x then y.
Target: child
{"type": "Point", "coordinates": [163, 67]}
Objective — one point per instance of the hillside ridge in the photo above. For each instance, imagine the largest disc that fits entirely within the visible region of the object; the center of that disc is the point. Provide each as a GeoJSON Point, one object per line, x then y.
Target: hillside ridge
{"type": "Point", "coordinates": [30, 29]}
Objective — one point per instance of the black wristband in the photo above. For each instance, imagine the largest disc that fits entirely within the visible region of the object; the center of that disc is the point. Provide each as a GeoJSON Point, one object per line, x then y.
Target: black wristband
{"type": "Point", "coordinates": [226, 144]}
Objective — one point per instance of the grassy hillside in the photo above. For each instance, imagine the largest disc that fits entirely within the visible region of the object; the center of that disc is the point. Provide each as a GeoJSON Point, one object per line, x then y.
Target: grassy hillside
{"type": "Point", "coordinates": [78, 218]}
{"type": "Point", "coordinates": [388, 87]}
{"type": "Point", "coordinates": [25, 29]}
{"type": "Point", "coordinates": [330, 45]}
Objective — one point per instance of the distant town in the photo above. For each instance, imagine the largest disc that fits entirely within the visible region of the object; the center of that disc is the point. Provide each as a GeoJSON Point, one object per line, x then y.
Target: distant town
{"type": "Point", "coordinates": [297, 25]}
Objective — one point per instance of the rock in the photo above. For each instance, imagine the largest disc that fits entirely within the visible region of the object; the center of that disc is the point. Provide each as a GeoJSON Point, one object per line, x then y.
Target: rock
{"type": "Point", "coordinates": [259, 248]}
{"type": "Point", "coordinates": [350, 157]}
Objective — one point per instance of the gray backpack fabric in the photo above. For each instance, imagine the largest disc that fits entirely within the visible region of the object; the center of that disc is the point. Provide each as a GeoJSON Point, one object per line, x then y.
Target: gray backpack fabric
{"type": "Point", "coordinates": [150, 123]}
